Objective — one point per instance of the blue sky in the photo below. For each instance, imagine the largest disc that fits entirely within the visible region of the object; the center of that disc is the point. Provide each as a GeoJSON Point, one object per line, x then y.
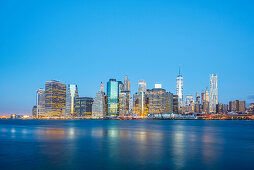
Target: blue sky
{"type": "Point", "coordinates": [86, 42]}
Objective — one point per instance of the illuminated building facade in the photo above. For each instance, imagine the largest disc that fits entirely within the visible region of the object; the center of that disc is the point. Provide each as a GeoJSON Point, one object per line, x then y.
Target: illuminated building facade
{"type": "Point", "coordinates": [179, 89]}
{"type": "Point", "coordinates": [124, 99]}
{"type": "Point", "coordinates": [34, 111]}
{"type": "Point", "coordinates": [175, 104]}
{"type": "Point", "coordinates": [206, 101]}
{"type": "Point", "coordinates": [219, 108]}
{"type": "Point", "coordinates": [189, 104]}
{"type": "Point", "coordinates": [237, 106]}
{"type": "Point", "coordinates": [71, 94]}
{"type": "Point", "coordinates": [99, 103]}
{"type": "Point", "coordinates": [55, 98]}
{"type": "Point", "coordinates": [213, 101]}
{"type": "Point", "coordinates": [251, 109]}
{"type": "Point", "coordinates": [83, 106]}
{"type": "Point", "coordinates": [113, 97]}
{"type": "Point", "coordinates": [40, 103]}
{"type": "Point", "coordinates": [140, 104]}
{"type": "Point", "coordinates": [160, 101]}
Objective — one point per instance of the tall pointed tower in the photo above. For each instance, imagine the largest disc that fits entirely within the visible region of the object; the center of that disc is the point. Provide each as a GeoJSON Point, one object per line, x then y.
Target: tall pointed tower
{"type": "Point", "coordinates": [179, 89]}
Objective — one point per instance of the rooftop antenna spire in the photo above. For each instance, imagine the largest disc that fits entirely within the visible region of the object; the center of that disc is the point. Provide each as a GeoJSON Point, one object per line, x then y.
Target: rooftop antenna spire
{"type": "Point", "coordinates": [179, 70]}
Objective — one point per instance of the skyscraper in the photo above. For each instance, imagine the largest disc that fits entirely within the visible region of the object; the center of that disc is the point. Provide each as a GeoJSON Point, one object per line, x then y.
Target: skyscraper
{"type": "Point", "coordinates": [71, 94]}
{"type": "Point", "coordinates": [213, 101]}
{"type": "Point", "coordinates": [175, 104]}
{"type": "Point", "coordinates": [40, 103]}
{"type": "Point", "coordinates": [83, 106]}
{"type": "Point", "coordinates": [34, 112]}
{"type": "Point", "coordinates": [124, 99]}
{"type": "Point", "coordinates": [99, 103]}
{"type": "Point", "coordinates": [127, 84]}
{"type": "Point", "coordinates": [206, 101]}
{"type": "Point", "coordinates": [140, 104]}
{"type": "Point", "coordinates": [55, 97]}
{"type": "Point", "coordinates": [141, 86]}
{"type": "Point", "coordinates": [179, 89]}
{"type": "Point", "coordinates": [113, 97]}
{"type": "Point", "coordinates": [189, 104]}
{"type": "Point", "coordinates": [160, 101]}
{"type": "Point", "coordinates": [237, 106]}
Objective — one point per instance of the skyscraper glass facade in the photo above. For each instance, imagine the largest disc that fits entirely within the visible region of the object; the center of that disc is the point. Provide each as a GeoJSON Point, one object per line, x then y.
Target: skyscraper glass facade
{"type": "Point", "coordinates": [179, 90]}
{"type": "Point", "coordinates": [113, 97]}
{"type": "Point", "coordinates": [55, 98]}
{"type": "Point", "coordinates": [99, 103]}
{"type": "Point", "coordinates": [83, 107]}
{"type": "Point", "coordinates": [213, 101]}
{"type": "Point", "coordinates": [160, 101]}
{"type": "Point", "coordinates": [71, 94]}
{"type": "Point", "coordinates": [40, 103]}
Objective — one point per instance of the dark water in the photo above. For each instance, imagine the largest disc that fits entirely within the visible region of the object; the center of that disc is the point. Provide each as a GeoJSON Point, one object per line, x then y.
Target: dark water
{"type": "Point", "coordinates": [112, 144]}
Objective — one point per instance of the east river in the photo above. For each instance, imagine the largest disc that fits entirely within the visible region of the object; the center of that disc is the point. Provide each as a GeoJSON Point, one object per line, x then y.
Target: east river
{"type": "Point", "coordinates": [126, 144]}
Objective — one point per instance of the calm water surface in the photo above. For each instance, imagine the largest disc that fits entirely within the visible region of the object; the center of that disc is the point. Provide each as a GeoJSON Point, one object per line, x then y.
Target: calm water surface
{"type": "Point", "coordinates": [113, 144]}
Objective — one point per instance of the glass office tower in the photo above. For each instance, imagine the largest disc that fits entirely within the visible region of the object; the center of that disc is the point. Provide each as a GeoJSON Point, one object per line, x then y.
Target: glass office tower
{"type": "Point", "coordinates": [213, 101]}
{"type": "Point", "coordinates": [179, 89]}
{"type": "Point", "coordinates": [55, 98]}
{"type": "Point", "coordinates": [99, 103]}
{"type": "Point", "coordinates": [40, 103]}
{"type": "Point", "coordinates": [71, 94]}
{"type": "Point", "coordinates": [160, 101]}
{"type": "Point", "coordinates": [83, 107]}
{"type": "Point", "coordinates": [113, 97]}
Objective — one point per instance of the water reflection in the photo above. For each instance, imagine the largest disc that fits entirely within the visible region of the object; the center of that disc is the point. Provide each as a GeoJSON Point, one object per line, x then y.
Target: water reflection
{"type": "Point", "coordinates": [118, 144]}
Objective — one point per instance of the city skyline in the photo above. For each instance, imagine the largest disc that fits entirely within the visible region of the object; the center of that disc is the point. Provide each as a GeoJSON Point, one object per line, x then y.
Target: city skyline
{"type": "Point", "coordinates": [127, 84]}
{"type": "Point", "coordinates": [86, 43]}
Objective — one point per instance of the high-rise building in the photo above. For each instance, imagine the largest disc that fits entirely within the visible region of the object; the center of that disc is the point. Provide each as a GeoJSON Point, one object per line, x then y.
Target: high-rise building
{"type": "Point", "coordinates": [225, 108]}
{"type": "Point", "coordinates": [242, 106]}
{"type": "Point", "coordinates": [213, 101]}
{"type": "Point", "coordinates": [40, 103]}
{"type": "Point", "coordinates": [251, 109]}
{"type": "Point", "coordinates": [179, 89]}
{"type": "Point", "coordinates": [175, 104]}
{"type": "Point", "coordinates": [197, 98]}
{"type": "Point", "coordinates": [206, 101]}
{"type": "Point", "coordinates": [237, 106]}
{"type": "Point", "coordinates": [127, 84]}
{"type": "Point", "coordinates": [83, 106]}
{"type": "Point", "coordinates": [121, 86]}
{"type": "Point", "coordinates": [142, 86]}
{"type": "Point", "coordinates": [160, 101]}
{"type": "Point", "coordinates": [34, 112]}
{"type": "Point", "coordinates": [219, 108]}
{"type": "Point", "coordinates": [99, 103]}
{"type": "Point", "coordinates": [189, 101]}
{"type": "Point", "coordinates": [140, 104]}
{"type": "Point", "coordinates": [55, 98]}
{"type": "Point", "coordinates": [124, 100]}
{"type": "Point", "coordinates": [131, 106]}
{"type": "Point", "coordinates": [189, 104]}
{"type": "Point", "coordinates": [113, 97]}
{"type": "Point", "coordinates": [71, 94]}
{"type": "Point", "coordinates": [197, 108]}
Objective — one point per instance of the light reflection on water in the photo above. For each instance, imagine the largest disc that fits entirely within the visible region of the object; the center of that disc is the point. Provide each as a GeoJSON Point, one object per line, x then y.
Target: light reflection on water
{"type": "Point", "coordinates": [134, 144]}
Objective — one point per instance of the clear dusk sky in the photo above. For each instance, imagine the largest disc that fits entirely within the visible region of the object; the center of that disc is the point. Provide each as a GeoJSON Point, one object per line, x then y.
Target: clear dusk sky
{"type": "Point", "coordinates": [86, 42]}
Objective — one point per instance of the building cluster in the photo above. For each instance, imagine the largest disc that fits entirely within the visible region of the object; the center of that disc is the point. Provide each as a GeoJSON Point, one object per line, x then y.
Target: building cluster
{"type": "Point", "coordinates": [58, 100]}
